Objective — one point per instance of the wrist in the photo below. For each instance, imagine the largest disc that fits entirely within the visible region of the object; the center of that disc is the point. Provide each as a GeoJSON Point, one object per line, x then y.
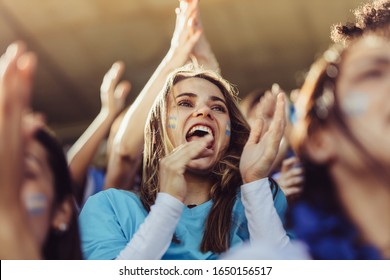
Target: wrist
{"type": "Point", "coordinates": [174, 195]}
{"type": "Point", "coordinates": [252, 178]}
{"type": "Point", "coordinates": [174, 59]}
{"type": "Point", "coordinates": [106, 114]}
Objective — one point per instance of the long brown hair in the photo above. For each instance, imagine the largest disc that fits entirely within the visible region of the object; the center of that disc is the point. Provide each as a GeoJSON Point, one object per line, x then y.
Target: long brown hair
{"type": "Point", "coordinates": [225, 175]}
{"type": "Point", "coordinates": [60, 245]}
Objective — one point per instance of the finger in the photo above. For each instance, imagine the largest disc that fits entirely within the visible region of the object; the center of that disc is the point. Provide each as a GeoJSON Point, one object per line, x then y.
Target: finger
{"type": "Point", "coordinates": [117, 71]}
{"type": "Point", "coordinates": [10, 57]}
{"type": "Point", "coordinates": [266, 106]}
{"type": "Point", "coordinates": [194, 39]}
{"type": "Point", "coordinates": [292, 191]}
{"type": "Point", "coordinates": [26, 64]}
{"type": "Point", "coordinates": [183, 4]}
{"type": "Point", "coordinates": [274, 135]}
{"type": "Point", "coordinates": [188, 6]}
{"type": "Point", "coordinates": [255, 133]}
{"type": "Point", "coordinates": [288, 163]}
{"type": "Point", "coordinates": [177, 23]}
{"type": "Point", "coordinates": [278, 121]}
{"type": "Point", "coordinates": [16, 79]}
{"type": "Point", "coordinates": [190, 43]}
{"type": "Point", "coordinates": [122, 90]}
{"type": "Point", "coordinates": [189, 10]}
{"type": "Point", "coordinates": [190, 25]}
{"type": "Point", "coordinates": [265, 110]}
{"type": "Point", "coordinates": [112, 77]}
{"type": "Point", "coordinates": [2, 64]}
{"type": "Point", "coordinates": [202, 142]}
{"type": "Point", "coordinates": [15, 50]}
{"type": "Point", "coordinates": [295, 181]}
{"type": "Point", "coordinates": [198, 18]}
{"type": "Point", "coordinates": [181, 156]}
{"type": "Point", "coordinates": [275, 89]}
{"type": "Point", "coordinates": [12, 53]}
{"type": "Point", "coordinates": [295, 171]}
{"type": "Point", "coordinates": [193, 21]}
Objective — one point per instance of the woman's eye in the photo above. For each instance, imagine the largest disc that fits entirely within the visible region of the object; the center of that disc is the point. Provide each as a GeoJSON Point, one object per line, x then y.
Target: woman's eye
{"type": "Point", "coordinates": [218, 108]}
{"type": "Point", "coordinates": [184, 104]}
{"type": "Point", "coordinates": [373, 74]}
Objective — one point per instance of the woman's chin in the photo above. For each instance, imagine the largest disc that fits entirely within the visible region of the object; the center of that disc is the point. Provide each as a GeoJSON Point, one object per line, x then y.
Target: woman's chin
{"type": "Point", "coordinates": [201, 166]}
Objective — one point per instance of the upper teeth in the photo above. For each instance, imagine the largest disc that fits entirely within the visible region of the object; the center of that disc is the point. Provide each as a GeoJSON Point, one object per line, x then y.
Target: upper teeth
{"type": "Point", "coordinates": [201, 128]}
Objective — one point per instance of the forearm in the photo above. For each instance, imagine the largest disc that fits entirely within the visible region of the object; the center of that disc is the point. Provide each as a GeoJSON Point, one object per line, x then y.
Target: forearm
{"type": "Point", "coordinates": [121, 172]}
{"type": "Point", "coordinates": [205, 56]}
{"type": "Point", "coordinates": [186, 34]}
{"type": "Point", "coordinates": [82, 152]}
{"type": "Point", "coordinates": [263, 221]}
{"type": "Point", "coordinates": [130, 136]}
{"type": "Point", "coordinates": [155, 235]}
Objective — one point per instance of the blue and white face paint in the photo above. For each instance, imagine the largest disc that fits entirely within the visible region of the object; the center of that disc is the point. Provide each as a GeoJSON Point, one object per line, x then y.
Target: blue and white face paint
{"type": "Point", "coordinates": [355, 104]}
{"type": "Point", "coordinates": [172, 122]}
{"type": "Point", "coordinates": [36, 204]}
{"type": "Point", "coordinates": [228, 130]}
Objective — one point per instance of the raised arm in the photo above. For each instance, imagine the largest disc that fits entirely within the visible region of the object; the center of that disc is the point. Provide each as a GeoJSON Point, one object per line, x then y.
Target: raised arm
{"type": "Point", "coordinates": [16, 70]}
{"type": "Point", "coordinates": [256, 161]}
{"type": "Point", "coordinates": [128, 142]}
{"type": "Point", "coordinates": [202, 53]}
{"type": "Point", "coordinates": [113, 95]}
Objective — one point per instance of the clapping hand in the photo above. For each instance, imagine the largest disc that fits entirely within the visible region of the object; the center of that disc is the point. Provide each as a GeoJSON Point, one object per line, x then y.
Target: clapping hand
{"type": "Point", "coordinates": [263, 144]}
{"type": "Point", "coordinates": [112, 92]}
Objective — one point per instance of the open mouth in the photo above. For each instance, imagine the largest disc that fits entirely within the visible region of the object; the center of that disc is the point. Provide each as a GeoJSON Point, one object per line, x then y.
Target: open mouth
{"type": "Point", "coordinates": [199, 131]}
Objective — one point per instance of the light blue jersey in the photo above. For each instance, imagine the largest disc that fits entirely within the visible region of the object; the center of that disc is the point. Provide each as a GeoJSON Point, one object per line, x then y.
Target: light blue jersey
{"type": "Point", "coordinates": [110, 218]}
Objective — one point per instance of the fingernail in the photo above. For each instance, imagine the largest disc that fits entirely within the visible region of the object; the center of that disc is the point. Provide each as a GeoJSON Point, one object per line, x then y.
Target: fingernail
{"type": "Point", "coordinates": [275, 88]}
{"type": "Point", "coordinates": [12, 50]}
{"type": "Point", "coordinates": [115, 66]}
{"type": "Point", "coordinates": [26, 60]}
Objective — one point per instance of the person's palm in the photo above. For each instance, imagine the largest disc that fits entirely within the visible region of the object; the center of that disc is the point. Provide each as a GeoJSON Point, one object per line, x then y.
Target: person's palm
{"type": "Point", "coordinates": [262, 147]}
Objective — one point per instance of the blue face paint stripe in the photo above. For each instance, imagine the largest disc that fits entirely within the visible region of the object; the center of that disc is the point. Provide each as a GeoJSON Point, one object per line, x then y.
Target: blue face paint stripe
{"type": "Point", "coordinates": [228, 129]}
{"type": "Point", "coordinates": [355, 103]}
{"type": "Point", "coordinates": [172, 120]}
{"type": "Point", "coordinates": [36, 204]}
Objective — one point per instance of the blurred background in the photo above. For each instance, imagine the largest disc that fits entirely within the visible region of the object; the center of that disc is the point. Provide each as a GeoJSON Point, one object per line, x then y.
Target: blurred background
{"type": "Point", "coordinates": [256, 42]}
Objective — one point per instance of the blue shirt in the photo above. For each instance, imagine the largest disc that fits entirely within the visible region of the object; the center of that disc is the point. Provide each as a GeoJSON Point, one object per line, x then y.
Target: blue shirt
{"type": "Point", "coordinates": [110, 218]}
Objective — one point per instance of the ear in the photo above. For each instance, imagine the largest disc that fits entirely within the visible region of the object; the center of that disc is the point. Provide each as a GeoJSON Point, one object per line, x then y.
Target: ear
{"type": "Point", "coordinates": [321, 146]}
{"type": "Point", "coordinates": [63, 215]}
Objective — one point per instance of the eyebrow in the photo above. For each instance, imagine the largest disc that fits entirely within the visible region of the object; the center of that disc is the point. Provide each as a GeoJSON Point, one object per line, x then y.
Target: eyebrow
{"type": "Point", "coordinates": [376, 60]}
{"type": "Point", "coordinates": [189, 94]}
{"type": "Point", "coordinates": [192, 95]}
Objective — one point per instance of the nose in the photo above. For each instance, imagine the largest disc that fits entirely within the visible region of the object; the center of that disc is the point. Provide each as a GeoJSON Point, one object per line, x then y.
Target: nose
{"type": "Point", "coordinates": [203, 111]}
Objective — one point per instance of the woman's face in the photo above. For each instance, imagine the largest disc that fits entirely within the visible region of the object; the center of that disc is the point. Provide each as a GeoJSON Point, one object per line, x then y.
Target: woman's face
{"type": "Point", "coordinates": [363, 90]}
{"type": "Point", "coordinates": [38, 190]}
{"type": "Point", "coordinates": [196, 108]}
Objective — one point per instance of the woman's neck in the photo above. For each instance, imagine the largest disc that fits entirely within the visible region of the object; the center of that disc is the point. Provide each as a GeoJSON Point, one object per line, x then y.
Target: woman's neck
{"type": "Point", "coordinates": [198, 188]}
{"type": "Point", "coordinates": [366, 199]}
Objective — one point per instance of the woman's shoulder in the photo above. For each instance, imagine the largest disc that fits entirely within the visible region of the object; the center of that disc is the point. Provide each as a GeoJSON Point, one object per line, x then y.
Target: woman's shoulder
{"type": "Point", "coordinates": [115, 199]}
